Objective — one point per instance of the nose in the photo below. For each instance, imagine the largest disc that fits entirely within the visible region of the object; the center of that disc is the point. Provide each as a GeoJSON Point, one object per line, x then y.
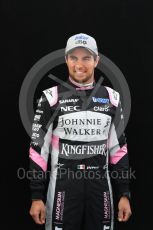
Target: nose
{"type": "Point", "coordinates": [79, 65]}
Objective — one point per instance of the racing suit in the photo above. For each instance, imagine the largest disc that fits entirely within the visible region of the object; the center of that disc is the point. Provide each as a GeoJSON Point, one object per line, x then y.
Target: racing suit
{"type": "Point", "coordinates": [79, 127]}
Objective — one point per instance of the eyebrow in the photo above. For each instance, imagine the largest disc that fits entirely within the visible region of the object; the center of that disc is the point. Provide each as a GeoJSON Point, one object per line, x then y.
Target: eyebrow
{"type": "Point", "coordinates": [71, 55]}
{"type": "Point", "coordinates": [87, 56]}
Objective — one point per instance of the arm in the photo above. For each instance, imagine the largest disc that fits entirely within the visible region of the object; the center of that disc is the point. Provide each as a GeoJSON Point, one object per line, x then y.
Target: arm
{"type": "Point", "coordinates": [39, 148]}
{"type": "Point", "coordinates": [39, 152]}
{"type": "Point", "coordinates": [119, 163]}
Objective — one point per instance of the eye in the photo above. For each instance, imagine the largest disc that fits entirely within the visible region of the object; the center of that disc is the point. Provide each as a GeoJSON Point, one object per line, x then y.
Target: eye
{"type": "Point", "coordinates": [87, 58]}
{"type": "Point", "coordinates": [73, 58]}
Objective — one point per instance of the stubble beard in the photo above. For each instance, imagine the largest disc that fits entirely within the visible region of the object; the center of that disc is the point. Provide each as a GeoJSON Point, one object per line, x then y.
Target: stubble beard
{"type": "Point", "coordinates": [84, 80]}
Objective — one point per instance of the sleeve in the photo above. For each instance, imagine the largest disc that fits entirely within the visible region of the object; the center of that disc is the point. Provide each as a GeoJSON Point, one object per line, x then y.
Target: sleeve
{"type": "Point", "coordinates": [39, 148]}
{"type": "Point", "coordinates": [118, 153]}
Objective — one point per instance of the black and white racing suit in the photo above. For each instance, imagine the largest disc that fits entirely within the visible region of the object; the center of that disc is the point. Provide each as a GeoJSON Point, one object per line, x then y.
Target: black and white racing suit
{"type": "Point", "coordinates": [79, 127]}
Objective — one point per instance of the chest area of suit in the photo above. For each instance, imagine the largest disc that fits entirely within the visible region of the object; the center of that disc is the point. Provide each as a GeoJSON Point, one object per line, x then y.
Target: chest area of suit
{"type": "Point", "coordinates": [82, 117]}
{"type": "Point", "coordinates": [97, 103]}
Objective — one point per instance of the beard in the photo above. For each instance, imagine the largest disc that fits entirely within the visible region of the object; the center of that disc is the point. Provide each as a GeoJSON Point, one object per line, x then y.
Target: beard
{"type": "Point", "coordinates": [82, 79]}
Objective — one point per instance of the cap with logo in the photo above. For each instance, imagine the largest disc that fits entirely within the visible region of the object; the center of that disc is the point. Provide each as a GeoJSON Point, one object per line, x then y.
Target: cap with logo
{"type": "Point", "coordinates": [81, 40]}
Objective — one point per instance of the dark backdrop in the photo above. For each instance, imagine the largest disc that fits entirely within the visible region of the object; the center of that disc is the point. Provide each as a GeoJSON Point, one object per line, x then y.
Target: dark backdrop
{"type": "Point", "coordinates": [124, 33]}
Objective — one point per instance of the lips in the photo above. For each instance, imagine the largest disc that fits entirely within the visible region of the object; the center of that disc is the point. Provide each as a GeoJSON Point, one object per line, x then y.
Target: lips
{"type": "Point", "coordinates": [79, 73]}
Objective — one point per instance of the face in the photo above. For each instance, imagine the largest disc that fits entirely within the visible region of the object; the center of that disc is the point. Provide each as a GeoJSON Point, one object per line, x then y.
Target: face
{"type": "Point", "coordinates": [81, 65]}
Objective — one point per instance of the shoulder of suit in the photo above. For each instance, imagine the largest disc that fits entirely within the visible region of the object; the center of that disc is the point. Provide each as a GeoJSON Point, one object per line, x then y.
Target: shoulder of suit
{"type": "Point", "coordinates": [114, 96]}
{"type": "Point", "coordinates": [51, 95]}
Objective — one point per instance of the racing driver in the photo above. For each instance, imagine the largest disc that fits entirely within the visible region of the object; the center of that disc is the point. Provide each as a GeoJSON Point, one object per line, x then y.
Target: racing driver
{"type": "Point", "coordinates": [77, 123]}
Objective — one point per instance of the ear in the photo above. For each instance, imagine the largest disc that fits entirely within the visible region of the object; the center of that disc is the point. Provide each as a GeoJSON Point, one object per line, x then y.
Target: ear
{"type": "Point", "coordinates": [65, 59]}
{"type": "Point", "coordinates": [96, 61]}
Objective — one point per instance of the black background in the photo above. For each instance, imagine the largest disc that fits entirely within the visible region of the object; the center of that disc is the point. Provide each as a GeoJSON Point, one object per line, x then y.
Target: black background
{"type": "Point", "coordinates": [124, 33]}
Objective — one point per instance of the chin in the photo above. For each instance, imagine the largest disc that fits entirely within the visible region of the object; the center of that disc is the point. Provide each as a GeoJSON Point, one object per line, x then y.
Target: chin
{"type": "Point", "coordinates": [81, 80]}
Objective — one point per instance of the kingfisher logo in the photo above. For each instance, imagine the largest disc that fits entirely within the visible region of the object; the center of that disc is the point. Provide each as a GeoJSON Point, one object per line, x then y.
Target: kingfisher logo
{"type": "Point", "coordinates": [100, 100]}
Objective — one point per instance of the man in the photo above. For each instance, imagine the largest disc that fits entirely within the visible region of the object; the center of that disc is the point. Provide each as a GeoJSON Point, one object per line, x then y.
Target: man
{"type": "Point", "coordinates": [80, 123]}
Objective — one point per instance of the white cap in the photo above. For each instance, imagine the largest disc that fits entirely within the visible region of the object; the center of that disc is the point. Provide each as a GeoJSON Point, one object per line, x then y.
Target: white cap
{"type": "Point", "coordinates": [82, 40]}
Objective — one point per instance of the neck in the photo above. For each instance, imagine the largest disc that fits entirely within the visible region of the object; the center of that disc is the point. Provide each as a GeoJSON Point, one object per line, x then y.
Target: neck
{"type": "Point", "coordinates": [81, 84]}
